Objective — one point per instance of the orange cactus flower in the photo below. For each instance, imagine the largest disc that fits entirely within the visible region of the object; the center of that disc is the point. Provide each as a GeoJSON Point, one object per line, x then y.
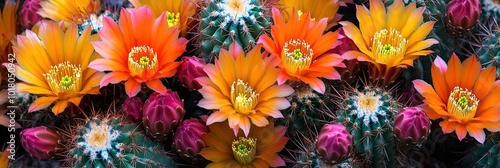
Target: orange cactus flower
{"type": "Point", "coordinates": [53, 64]}
{"type": "Point", "coordinates": [258, 149]}
{"type": "Point", "coordinates": [302, 49]}
{"type": "Point", "coordinates": [141, 49]}
{"type": "Point", "coordinates": [464, 96]}
{"type": "Point", "coordinates": [178, 12]}
{"type": "Point", "coordinates": [389, 39]}
{"type": "Point", "coordinates": [8, 24]}
{"type": "Point", "coordinates": [319, 9]}
{"type": "Point", "coordinates": [242, 88]}
{"type": "Point", "coordinates": [69, 11]}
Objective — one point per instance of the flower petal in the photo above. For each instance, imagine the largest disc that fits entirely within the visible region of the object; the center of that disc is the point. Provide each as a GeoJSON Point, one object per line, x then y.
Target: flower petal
{"type": "Point", "coordinates": [42, 103]}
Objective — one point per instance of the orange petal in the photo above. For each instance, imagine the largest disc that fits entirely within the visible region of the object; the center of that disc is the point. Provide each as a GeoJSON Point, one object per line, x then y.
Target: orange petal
{"type": "Point", "coordinates": [276, 91]}
{"type": "Point", "coordinates": [59, 107]}
{"type": "Point", "coordinates": [132, 87]}
{"type": "Point", "coordinates": [157, 86]}
{"type": "Point", "coordinates": [355, 35]}
{"type": "Point", "coordinates": [42, 103]}
{"type": "Point", "coordinates": [461, 131]}
{"type": "Point", "coordinates": [476, 132]}
{"type": "Point", "coordinates": [213, 103]}
{"type": "Point", "coordinates": [75, 100]}
{"type": "Point", "coordinates": [472, 68]}
{"type": "Point", "coordinates": [453, 74]}
{"type": "Point", "coordinates": [413, 22]}
{"type": "Point", "coordinates": [315, 83]}
{"type": "Point", "coordinates": [324, 43]}
{"type": "Point", "coordinates": [269, 111]}
{"type": "Point", "coordinates": [378, 15]}
{"type": "Point", "coordinates": [106, 64]}
{"type": "Point", "coordinates": [366, 27]}
{"type": "Point", "coordinates": [25, 88]}
{"type": "Point", "coordinates": [258, 120]}
{"type": "Point", "coordinates": [114, 78]}
{"type": "Point", "coordinates": [419, 46]}
{"type": "Point", "coordinates": [275, 103]}
{"type": "Point", "coordinates": [215, 155]}
{"type": "Point", "coordinates": [244, 125]}
{"type": "Point", "coordinates": [420, 33]}
{"type": "Point", "coordinates": [217, 116]}
{"type": "Point", "coordinates": [268, 44]}
{"type": "Point", "coordinates": [440, 84]}
{"type": "Point", "coordinates": [484, 82]}
{"type": "Point", "coordinates": [447, 126]}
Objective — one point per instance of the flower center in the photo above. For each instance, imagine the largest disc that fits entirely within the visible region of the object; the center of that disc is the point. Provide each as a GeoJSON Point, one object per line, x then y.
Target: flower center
{"type": "Point", "coordinates": [368, 103]}
{"type": "Point", "coordinates": [462, 103]}
{"type": "Point", "coordinates": [243, 97]}
{"type": "Point", "coordinates": [388, 44]}
{"type": "Point", "coordinates": [142, 58]}
{"type": "Point", "coordinates": [173, 19]}
{"type": "Point", "coordinates": [99, 138]}
{"type": "Point", "coordinates": [244, 150]}
{"type": "Point", "coordinates": [64, 76]}
{"type": "Point", "coordinates": [297, 55]}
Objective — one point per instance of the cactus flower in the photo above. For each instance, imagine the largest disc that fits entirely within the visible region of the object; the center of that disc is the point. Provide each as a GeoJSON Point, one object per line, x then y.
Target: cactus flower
{"type": "Point", "coordinates": [334, 143]}
{"type": "Point", "coordinates": [28, 15]}
{"type": "Point", "coordinates": [162, 113]}
{"type": "Point", "coordinates": [462, 15]}
{"type": "Point", "coordinates": [190, 69]}
{"type": "Point", "coordinates": [411, 125]}
{"type": "Point", "coordinates": [188, 137]}
{"type": "Point", "coordinates": [41, 142]}
{"type": "Point", "coordinates": [132, 109]}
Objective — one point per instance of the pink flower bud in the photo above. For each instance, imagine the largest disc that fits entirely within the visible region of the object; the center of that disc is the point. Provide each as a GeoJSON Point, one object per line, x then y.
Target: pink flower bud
{"type": "Point", "coordinates": [132, 109]}
{"type": "Point", "coordinates": [187, 138]}
{"type": "Point", "coordinates": [41, 142]}
{"type": "Point", "coordinates": [190, 69]}
{"type": "Point", "coordinates": [462, 15]}
{"type": "Point", "coordinates": [162, 113]}
{"type": "Point", "coordinates": [29, 13]}
{"type": "Point", "coordinates": [411, 125]}
{"type": "Point", "coordinates": [334, 143]}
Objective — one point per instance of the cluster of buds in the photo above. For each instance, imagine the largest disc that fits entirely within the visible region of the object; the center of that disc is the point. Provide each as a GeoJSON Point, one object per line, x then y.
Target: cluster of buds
{"type": "Point", "coordinates": [461, 16]}
{"type": "Point", "coordinates": [334, 143]}
{"type": "Point", "coordinates": [411, 125]}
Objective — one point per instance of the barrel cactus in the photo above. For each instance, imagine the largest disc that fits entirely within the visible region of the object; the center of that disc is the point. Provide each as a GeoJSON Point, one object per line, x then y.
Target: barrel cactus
{"type": "Point", "coordinates": [113, 142]}
{"type": "Point", "coordinates": [368, 114]}
{"type": "Point", "coordinates": [225, 21]}
{"type": "Point", "coordinates": [489, 50]}
{"type": "Point", "coordinates": [486, 155]}
{"type": "Point", "coordinates": [490, 9]}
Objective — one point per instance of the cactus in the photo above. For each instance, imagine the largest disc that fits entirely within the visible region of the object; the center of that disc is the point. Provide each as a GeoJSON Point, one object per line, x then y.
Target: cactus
{"type": "Point", "coordinates": [489, 46]}
{"type": "Point", "coordinates": [112, 142]}
{"type": "Point", "coordinates": [486, 155]}
{"type": "Point", "coordinates": [225, 21]}
{"type": "Point", "coordinates": [308, 112]}
{"type": "Point", "coordinates": [368, 115]}
{"type": "Point", "coordinates": [490, 9]}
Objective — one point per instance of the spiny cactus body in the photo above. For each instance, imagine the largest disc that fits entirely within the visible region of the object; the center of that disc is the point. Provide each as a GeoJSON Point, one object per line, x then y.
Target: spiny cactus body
{"type": "Point", "coordinates": [368, 114]}
{"type": "Point", "coordinates": [112, 142]}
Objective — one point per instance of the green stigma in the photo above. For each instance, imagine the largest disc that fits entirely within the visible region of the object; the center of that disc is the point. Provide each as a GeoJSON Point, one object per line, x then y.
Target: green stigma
{"type": "Point", "coordinates": [297, 54]}
{"type": "Point", "coordinates": [387, 49]}
{"type": "Point", "coordinates": [144, 61]}
{"type": "Point", "coordinates": [242, 148]}
{"type": "Point", "coordinates": [66, 81]}
{"type": "Point", "coordinates": [463, 102]}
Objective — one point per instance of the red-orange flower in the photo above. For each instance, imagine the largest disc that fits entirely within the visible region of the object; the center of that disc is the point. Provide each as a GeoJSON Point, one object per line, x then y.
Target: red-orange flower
{"type": "Point", "coordinates": [259, 149]}
{"type": "Point", "coordinates": [141, 49]}
{"type": "Point", "coordinates": [302, 49]}
{"type": "Point", "coordinates": [464, 96]}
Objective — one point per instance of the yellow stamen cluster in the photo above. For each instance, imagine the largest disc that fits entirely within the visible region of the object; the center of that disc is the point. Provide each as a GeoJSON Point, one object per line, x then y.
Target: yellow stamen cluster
{"type": "Point", "coordinates": [243, 97]}
{"type": "Point", "coordinates": [297, 54]}
{"type": "Point", "coordinates": [387, 44]}
{"type": "Point", "coordinates": [462, 103]}
{"type": "Point", "coordinates": [64, 76]}
{"type": "Point", "coordinates": [173, 19]}
{"type": "Point", "coordinates": [142, 57]}
{"type": "Point", "coordinates": [244, 150]}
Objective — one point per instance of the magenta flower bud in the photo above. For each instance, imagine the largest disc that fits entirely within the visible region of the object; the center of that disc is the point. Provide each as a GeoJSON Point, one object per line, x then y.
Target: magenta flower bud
{"type": "Point", "coordinates": [29, 13]}
{"type": "Point", "coordinates": [132, 109]}
{"type": "Point", "coordinates": [162, 114]}
{"type": "Point", "coordinates": [462, 15]}
{"type": "Point", "coordinates": [334, 143]}
{"type": "Point", "coordinates": [190, 69]}
{"type": "Point", "coordinates": [411, 125]}
{"type": "Point", "coordinates": [41, 142]}
{"type": "Point", "coordinates": [187, 137]}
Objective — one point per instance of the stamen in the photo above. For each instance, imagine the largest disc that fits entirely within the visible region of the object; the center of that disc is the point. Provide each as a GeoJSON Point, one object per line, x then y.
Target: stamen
{"type": "Point", "coordinates": [63, 77]}
{"type": "Point", "coordinates": [462, 103]}
{"type": "Point", "coordinates": [173, 19]}
{"type": "Point", "coordinates": [244, 150]}
{"type": "Point", "coordinates": [387, 45]}
{"type": "Point", "coordinates": [297, 55]}
{"type": "Point", "coordinates": [142, 58]}
{"type": "Point", "coordinates": [243, 97]}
